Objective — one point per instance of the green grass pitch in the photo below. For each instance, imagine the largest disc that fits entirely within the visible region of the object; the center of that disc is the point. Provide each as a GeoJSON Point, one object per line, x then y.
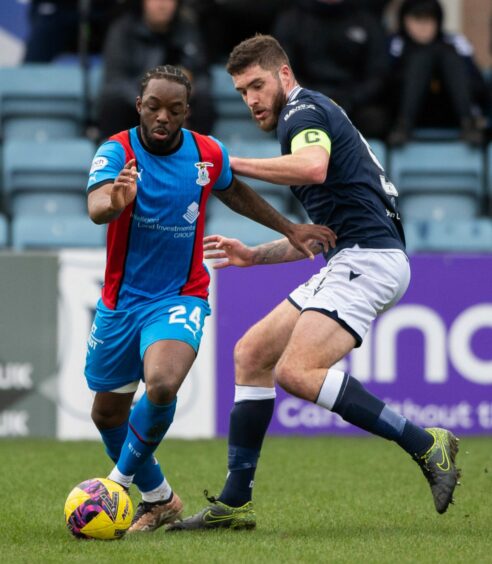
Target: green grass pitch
{"type": "Point", "coordinates": [325, 499]}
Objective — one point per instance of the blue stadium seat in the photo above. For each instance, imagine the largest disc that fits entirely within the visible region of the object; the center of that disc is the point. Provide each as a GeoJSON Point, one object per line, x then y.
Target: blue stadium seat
{"type": "Point", "coordinates": [232, 130]}
{"type": "Point", "coordinates": [4, 232]}
{"type": "Point", "coordinates": [239, 227]}
{"type": "Point", "coordinates": [37, 91]}
{"type": "Point", "coordinates": [49, 178]}
{"type": "Point", "coordinates": [35, 232]}
{"type": "Point", "coordinates": [474, 235]}
{"type": "Point", "coordinates": [228, 102]}
{"type": "Point", "coordinates": [438, 180]}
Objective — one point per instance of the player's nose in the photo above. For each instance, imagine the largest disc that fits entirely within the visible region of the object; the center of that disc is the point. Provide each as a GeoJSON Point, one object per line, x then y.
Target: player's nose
{"type": "Point", "coordinates": [163, 116]}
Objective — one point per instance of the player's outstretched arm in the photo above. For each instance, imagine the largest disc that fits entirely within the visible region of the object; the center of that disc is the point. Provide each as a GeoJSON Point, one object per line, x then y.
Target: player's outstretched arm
{"type": "Point", "coordinates": [232, 252]}
{"type": "Point", "coordinates": [109, 200]}
{"type": "Point", "coordinates": [244, 200]}
{"type": "Point", "coordinates": [307, 165]}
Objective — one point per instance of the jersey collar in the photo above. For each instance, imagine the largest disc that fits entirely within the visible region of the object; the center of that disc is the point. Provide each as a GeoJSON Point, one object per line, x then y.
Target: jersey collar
{"type": "Point", "coordinates": [292, 95]}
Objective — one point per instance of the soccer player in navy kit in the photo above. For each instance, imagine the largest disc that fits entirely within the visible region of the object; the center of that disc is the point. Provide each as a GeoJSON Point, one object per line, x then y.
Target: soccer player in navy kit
{"type": "Point", "coordinates": [151, 184]}
{"type": "Point", "coordinates": [340, 183]}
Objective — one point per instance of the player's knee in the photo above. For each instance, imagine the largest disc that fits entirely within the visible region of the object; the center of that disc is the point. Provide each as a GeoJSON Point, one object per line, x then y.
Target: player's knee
{"type": "Point", "coordinates": [160, 392]}
{"type": "Point", "coordinates": [289, 378]}
{"type": "Point", "coordinates": [106, 417]}
{"type": "Point", "coordinates": [248, 358]}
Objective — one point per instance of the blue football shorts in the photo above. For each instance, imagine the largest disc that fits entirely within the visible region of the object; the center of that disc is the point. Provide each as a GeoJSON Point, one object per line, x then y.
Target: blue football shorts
{"type": "Point", "coordinates": [119, 338]}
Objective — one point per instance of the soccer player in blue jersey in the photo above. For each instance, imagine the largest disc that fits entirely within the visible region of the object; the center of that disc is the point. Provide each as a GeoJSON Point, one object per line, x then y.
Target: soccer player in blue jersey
{"type": "Point", "coordinates": [151, 184]}
{"type": "Point", "coordinates": [340, 183]}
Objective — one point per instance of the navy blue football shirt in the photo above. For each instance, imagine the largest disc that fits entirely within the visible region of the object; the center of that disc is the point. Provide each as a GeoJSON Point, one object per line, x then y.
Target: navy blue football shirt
{"type": "Point", "coordinates": [356, 200]}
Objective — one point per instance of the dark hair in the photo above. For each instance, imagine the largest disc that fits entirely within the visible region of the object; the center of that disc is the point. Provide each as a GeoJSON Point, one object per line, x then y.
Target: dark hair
{"type": "Point", "coordinates": [169, 73]}
{"type": "Point", "coordinates": [421, 9]}
{"type": "Point", "coordinates": [263, 50]}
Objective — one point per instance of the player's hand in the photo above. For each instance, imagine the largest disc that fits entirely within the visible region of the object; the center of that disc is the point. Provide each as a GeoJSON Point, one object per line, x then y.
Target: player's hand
{"type": "Point", "coordinates": [125, 187]}
{"type": "Point", "coordinates": [303, 236]}
{"type": "Point", "coordinates": [231, 252]}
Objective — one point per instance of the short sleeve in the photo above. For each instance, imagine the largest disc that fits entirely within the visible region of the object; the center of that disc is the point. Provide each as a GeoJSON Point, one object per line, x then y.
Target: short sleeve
{"type": "Point", "coordinates": [106, 165]}
{"type": "Point", "coordinates": [301, 116]}
{"type": "Point", "coordinates": [225, 177]}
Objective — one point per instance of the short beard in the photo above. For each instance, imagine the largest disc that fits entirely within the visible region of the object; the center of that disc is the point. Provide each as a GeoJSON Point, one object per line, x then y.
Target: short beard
{"type": "Point", "coordinates": [278, 104]}
{"type": "Point", "coordinates": [158, 146]}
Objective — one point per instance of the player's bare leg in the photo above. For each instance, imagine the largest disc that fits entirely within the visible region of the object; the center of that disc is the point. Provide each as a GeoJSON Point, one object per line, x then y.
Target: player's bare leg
{"type": "Point", "coordinates": [305, 370]}
{"type": "Point", "coordinates": [255, 355]}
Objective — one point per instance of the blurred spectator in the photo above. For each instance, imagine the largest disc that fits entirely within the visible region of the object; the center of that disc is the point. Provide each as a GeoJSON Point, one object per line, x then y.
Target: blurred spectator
{"type": "Point", "coordinates": [340, 50]}
{"type": "Point", "coordinates": [54, 27]}
{"type": "Point", "coordinates": [227, 22]}
{"type": "Point", "coordinates": [163, 33]}
{"type": "Point", "coordinates": [435, 81]}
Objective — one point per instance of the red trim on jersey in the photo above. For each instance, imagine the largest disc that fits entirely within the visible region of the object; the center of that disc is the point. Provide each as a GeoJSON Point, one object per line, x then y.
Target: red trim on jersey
{"type": "Point", "coordinates": [198, 277]}
{"type": "Point", "coordinates": [117, 239]}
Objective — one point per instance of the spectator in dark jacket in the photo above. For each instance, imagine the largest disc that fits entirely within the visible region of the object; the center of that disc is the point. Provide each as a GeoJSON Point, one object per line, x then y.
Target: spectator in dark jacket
{"type": "Point", "coordinates": [163, 33]}
{"type": "Point", "coordinates": [435, 81]}
{"type": "Point", "coordinates": [339, 50]}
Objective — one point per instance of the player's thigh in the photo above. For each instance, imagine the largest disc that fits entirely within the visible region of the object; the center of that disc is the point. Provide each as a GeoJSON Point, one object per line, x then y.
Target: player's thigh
{"type": "Point", "coordinates": [166, 365]}
{"type": "Point", "coordinates": [257, 352]}
{"type": "Point", "coordinates": [170, 339]}
{"type": "Point", "coordinates": [317, 341]}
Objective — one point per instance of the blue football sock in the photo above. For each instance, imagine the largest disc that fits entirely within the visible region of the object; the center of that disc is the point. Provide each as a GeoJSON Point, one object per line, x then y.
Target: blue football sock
{"type": "Point", "coordinates": [358, 406]}
{"type": "Point", "coordinates": [149, 476]}
{"type": "Point", "coordinates": [248, 425]}
{"type": "Point", "coordinates": [148, 424]}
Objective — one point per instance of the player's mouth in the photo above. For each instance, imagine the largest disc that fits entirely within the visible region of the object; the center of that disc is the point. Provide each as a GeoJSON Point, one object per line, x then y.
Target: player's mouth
{"type": "Point", "coordinates": [260, 114]}
{"type": "Point", "coordinates": [160, 133]}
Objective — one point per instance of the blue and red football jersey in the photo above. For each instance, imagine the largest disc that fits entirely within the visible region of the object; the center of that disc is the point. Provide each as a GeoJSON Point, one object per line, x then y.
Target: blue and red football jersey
{"type": "Point", "coordinates": [155, 246]}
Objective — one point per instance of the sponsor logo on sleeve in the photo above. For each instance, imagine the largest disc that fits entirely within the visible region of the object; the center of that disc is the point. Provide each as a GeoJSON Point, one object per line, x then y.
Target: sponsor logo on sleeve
{"type": "Point", "coordinates": [298, 108]}
{"type": "Point", "coordinates": [98, 163]}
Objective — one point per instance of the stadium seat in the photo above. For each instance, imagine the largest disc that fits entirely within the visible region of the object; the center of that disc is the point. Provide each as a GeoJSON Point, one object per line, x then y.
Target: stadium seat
{"type": "Point", "coordinates": [228, 102]}
{"type": "Point", "coordinates": [239, 227]}
{"type": "Point", "coordinates": [438, 180]}
{"type": "Point", "coordinates": [34, 91]}
{"type": "Point", "coordinates": [4, 232]}
{"type": "Point", "coordinates": [48, 178]}
{"type": "Point", "coordinates": [232, 130]}
{"type": "Point", "coordinates": [455, 235]}
{"type": "Point", "coordinates": [45, 232]}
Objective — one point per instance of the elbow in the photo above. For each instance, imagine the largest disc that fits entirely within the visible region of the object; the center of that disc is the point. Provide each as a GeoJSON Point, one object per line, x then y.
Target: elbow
{"type": "Point", "coordinates": [318, 173]}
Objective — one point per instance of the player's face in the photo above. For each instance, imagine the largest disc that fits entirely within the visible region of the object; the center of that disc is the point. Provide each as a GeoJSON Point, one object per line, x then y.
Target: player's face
{"type": "Point", "coordinates": [264, 93]}
{"type": "Point", "coordinates": [163, 109]}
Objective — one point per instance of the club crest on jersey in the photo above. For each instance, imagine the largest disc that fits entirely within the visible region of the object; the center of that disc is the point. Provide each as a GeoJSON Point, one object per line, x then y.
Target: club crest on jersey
{"type": "Point", "coordinates": [203, 178]}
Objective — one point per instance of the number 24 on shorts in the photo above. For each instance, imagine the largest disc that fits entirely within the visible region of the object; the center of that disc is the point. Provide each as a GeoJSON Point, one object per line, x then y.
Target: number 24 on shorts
{"type": "Point", "coordinates": [180, 315]}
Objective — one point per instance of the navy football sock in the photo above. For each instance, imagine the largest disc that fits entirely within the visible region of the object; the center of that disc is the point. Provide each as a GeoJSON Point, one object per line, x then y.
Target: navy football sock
{"type": "Point", "coordinates": [249, 422]}
{"type": "Point", "coordinates": [148, 424]}
{"type": "Point", "coordinates": [149, 476]}
{"type": "Point", "coordinates": [358, 406]}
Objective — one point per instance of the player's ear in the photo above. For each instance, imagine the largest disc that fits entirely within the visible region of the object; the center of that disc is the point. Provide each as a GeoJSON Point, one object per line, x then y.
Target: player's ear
{"type": "Point", "coordinates": [139, 105]}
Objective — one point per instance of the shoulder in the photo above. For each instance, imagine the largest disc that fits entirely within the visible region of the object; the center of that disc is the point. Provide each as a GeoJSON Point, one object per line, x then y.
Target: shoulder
{"type": "Point", "coordinates": [206, 145]}
{"type": "Point", "coordinates": [306, 105]}
{"type": "Point", "coordinates": [461, 44]}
